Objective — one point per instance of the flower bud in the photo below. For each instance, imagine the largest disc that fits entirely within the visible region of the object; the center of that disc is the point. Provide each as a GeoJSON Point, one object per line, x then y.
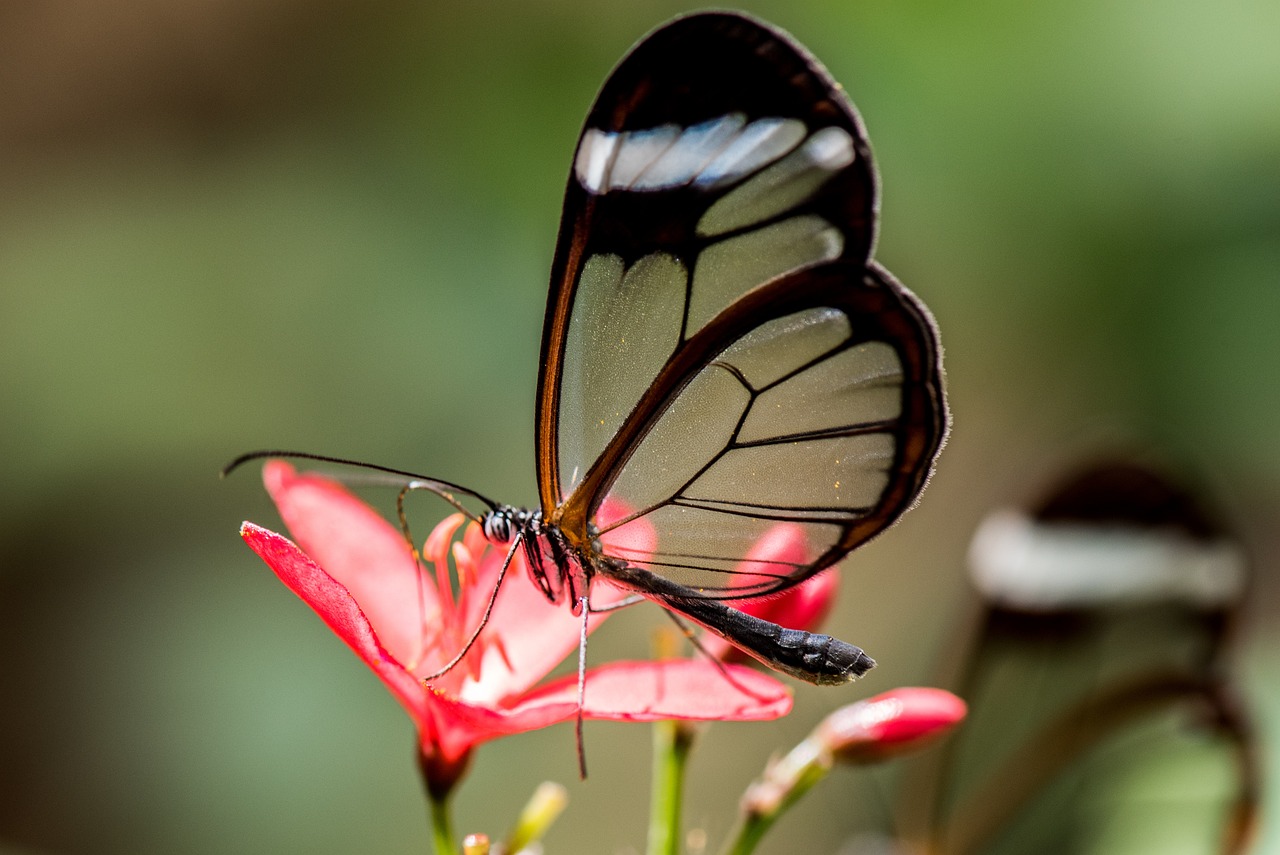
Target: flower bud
{"type": "Point", "coordinates": [896, 722]}
{"type": "Point", "coordinates": [785, 779]}
{"type": "Point", "coordinates": [475, 844]}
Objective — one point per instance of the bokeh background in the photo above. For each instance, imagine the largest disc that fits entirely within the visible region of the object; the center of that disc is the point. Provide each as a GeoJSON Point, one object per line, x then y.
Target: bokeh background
{"type": "Point", "coordinates": [233, 224]}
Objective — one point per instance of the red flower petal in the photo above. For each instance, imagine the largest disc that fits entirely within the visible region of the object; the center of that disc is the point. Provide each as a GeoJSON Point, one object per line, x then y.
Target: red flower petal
{"type": "Point", "coordinates": [526, 637]}
{"type": "Point", "coordinates": [359, 549]}
{"type": "Point", "coordinates": [335, 605]}
{"type": "Point", "coordinates": [459, 726]}
{"type": "Point", "coordinates": [784, 543]}
{"type": "Point", "coordinates": [672, 688]}
{"type": "Point", "coordinates": [805, 606]}
{"type": "Point", "coordinates": [362, 583]}
{"type": "Point", "coordinates": [618, 691]}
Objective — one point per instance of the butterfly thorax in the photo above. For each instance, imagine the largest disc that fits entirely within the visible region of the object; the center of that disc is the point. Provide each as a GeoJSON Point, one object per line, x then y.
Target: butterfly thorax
{"type": "Point", "coordinates": [560, 570]}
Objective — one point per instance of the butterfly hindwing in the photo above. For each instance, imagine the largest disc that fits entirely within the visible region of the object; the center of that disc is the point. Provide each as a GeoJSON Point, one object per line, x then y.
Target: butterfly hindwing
{"type": "Point", "coordinates": [719, 354]}
{"type": "Point", "coordinates": [807, 413]}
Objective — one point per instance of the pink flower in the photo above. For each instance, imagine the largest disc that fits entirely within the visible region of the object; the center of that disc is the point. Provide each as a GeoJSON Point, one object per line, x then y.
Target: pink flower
{"type": "Point", "coordinates": [804, 606]}
{"type": "Point", "coordinates": [356, 571]}
{"type": "Point", "coordinates": [896, 722]}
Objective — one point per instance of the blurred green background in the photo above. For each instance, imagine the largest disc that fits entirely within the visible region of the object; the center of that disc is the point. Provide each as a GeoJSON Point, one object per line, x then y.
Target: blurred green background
{"type": "Point", "coordinates": [234, 224]}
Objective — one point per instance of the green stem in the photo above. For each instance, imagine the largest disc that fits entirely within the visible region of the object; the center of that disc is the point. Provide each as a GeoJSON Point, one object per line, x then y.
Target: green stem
{"type": "Point", "coordinates": [748, 835]}
{"type": "Point", "coordinates": [547, 803]}
{"type": "Point", "coordinates": [672, 741]}
{"type": "Point", "coordinates": [782, 785]}
{"type": "Point", "coordinates": [442, 826]}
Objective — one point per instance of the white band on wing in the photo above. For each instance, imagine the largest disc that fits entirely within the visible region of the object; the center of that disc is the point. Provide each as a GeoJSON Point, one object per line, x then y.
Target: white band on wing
{"type": "Point", "coordinates": [709, 154]}
{"type": "Point", "coordinates": [1018, 562]}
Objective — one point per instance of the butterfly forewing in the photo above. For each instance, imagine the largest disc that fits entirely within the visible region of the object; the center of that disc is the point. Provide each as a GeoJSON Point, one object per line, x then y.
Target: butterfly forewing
{"type": "Point", "coordinates": [717, 155]}
{"type": "Point", "coordinates": [720, 357]}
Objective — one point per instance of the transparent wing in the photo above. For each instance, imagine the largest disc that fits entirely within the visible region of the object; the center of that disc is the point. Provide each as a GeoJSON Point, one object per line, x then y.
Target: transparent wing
{"type": "Point", "coordinates": [719, 354]}
{"type": "Point", "coordinates": [821, 414]}
{"type": "Point", "coordinates": [718, 156]}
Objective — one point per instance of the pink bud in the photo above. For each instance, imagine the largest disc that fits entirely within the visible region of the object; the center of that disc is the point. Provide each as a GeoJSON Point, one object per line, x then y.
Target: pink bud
{"type": "Point", "coordinates": [896, 722]}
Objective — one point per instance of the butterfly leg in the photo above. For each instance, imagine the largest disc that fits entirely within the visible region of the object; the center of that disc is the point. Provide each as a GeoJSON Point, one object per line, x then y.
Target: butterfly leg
{"type": "Point", "coordinates": [613, 607]}
{"type": "Point", "coordinates": [585, 607]}
{"type": "Point", "coordinates": [484, 620]}
{"type": "Point", "coordinates": [692, 636]}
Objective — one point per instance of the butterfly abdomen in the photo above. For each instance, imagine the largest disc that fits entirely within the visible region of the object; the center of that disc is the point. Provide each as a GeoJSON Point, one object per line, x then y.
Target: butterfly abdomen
{"type": "Point", "coordinates": [829, 660]}
{"type": "Point", "coordinates": [818, 659]}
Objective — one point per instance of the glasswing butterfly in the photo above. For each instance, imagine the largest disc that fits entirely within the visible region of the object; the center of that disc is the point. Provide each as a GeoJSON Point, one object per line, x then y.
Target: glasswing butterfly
{"type": "Point", "coordinates": [1104, 714]}
{"type": "Point", "coordinates": [720, 355]}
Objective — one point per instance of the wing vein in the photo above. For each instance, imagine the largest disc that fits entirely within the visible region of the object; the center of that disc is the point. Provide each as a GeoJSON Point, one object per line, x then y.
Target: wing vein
{"type": "Point", "coordinates": [838, 431]}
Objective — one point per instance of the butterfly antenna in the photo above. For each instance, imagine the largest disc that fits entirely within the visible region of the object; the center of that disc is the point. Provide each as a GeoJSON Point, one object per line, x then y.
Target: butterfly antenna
{"type": "Point", "coordinates": [484, 620]}
{"type": "Point", "coordinates": [443, 489]}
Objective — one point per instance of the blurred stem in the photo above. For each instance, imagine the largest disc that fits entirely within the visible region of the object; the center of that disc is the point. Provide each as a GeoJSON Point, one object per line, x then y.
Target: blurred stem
{"type": "Point", "coordinates": [783, 784]}
{"type": "Point", "coordinates": [672, 742]}
{"type": "Point", "coordinates": [920, 802]}
{"type": "Point", "coordinates": [442, 826]}
{"type": "Point", "coordinates": [1235, 724]}
{"type": "Point", "coordinates": [749, 834]}
{"type": "Point", "coordinates": [547, 803]}
{"type": "Point", "coordinates": [1055, 745]}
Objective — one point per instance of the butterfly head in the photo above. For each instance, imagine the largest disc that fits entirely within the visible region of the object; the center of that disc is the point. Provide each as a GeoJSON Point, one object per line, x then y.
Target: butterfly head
{"type": "Point", "coordinates": [503, 523]}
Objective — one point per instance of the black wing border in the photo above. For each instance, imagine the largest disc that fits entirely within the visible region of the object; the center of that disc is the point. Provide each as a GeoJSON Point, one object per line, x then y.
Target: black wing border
{"type": "Point", "coordinates": [791, 82]}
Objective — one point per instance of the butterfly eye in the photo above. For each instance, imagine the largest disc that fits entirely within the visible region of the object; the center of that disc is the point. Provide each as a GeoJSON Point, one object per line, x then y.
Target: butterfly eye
{"type": "Point", "coordinates": [497, 526]}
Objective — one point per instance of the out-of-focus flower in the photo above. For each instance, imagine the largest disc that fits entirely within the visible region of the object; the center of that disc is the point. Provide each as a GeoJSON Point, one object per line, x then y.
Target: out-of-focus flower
{"type": "Point", "coordinates": [804, 606]}
{"type": "Point", "coordinates": [358, 574]}
{"type": "Point", "coordinates": [475, 844]}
